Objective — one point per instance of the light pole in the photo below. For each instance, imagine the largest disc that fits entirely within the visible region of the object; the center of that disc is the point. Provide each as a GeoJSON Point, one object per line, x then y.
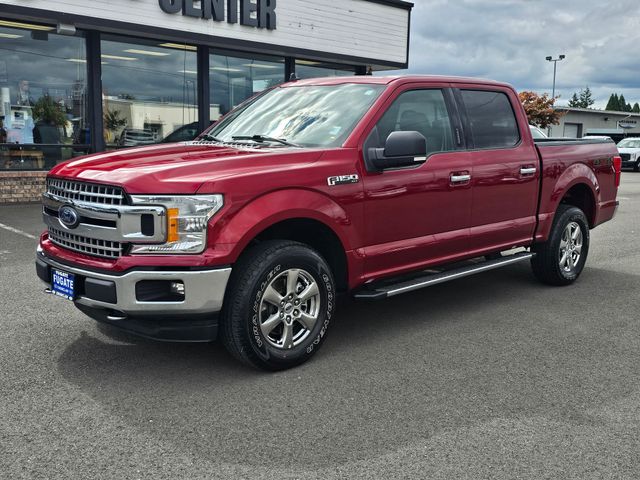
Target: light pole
{"type": "Point", "coordinates": [555, 67]}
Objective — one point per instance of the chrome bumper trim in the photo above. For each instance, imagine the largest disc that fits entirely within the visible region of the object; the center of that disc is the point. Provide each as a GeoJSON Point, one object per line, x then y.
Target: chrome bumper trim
{"type": "Point", "coordinates": [204, 289]}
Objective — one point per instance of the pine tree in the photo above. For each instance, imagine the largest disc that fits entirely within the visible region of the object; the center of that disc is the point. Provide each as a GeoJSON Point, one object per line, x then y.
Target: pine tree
{"type": "Point", "coordinates": [575, 101]}
{"type": "Point", "coordinates": [586, 99]}
{"type": "Point", "coordinates": [613, 103]}
{"type": "Point", "coordinates": [622, 106]}
{"type": "Point", "coordinates": [636, 108]}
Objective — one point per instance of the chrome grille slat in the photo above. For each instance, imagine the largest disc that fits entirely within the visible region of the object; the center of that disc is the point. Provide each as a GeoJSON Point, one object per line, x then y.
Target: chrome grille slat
{"type": "Point", "coordinates": [100, 197]}
{"type": "Point", "coordinates": [86, 192]}
{"type": "Point", "coordinates": [89, 246]}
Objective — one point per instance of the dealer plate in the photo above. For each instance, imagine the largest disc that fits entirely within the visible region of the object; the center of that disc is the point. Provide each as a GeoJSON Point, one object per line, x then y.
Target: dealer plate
{"type": "Point", "coordinates": [63, 284]}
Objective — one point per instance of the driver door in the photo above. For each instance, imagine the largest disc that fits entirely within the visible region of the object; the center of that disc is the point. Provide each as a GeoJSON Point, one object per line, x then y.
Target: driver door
{"type": "Point", "coordinates": [416, 216]}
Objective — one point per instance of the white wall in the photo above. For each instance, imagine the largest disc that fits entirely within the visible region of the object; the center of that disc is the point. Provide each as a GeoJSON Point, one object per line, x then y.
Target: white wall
{"type": "Point", "coordinates": [347, 27]}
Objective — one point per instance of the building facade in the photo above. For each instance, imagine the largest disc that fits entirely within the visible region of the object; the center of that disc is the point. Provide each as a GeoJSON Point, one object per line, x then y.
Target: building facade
{"type": "Point", "coordinates": [582, 122]}
{"type": "Point", "coordinates": [78, 77]}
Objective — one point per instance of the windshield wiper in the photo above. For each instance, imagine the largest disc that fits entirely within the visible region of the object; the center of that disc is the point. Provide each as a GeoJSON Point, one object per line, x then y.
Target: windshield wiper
{"type": "Point", "coordinates": [265, 138]}
{"type": "Point", "coordinates": [211, 138]}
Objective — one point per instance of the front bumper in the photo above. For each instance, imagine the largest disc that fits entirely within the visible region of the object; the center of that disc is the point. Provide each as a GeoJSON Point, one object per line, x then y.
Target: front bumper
{"type": "Point", "coordinates": [113, 298]}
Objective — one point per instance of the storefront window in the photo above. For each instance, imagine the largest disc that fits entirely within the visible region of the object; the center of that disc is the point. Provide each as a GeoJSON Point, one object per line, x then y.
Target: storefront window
{"type": "Point", "coordinates": [149, 91]}
{"type": "Point", "coordinates": [309, 69]}
{"type": "Point", "coordinates": [233, 79]}
{"type": "Point", "coordinates": [43, 96]}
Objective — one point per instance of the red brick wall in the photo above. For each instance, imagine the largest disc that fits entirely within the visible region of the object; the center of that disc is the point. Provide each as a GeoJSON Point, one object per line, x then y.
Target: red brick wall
{"type": "Point", "coordinates": [21, 186]}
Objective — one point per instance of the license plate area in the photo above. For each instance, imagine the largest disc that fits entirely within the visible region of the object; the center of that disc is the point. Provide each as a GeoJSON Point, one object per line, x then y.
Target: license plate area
{"type": "Point", "coordinates": [63, 284]}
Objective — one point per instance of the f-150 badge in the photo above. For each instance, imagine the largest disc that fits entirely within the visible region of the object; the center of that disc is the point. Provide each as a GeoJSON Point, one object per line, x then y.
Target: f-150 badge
{"type": "Point", "coordinates": [343, 180]}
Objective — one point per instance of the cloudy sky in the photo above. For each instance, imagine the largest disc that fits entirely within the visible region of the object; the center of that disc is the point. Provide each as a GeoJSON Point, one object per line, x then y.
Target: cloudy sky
{"type": "Point", "coordinates": [508, 40]}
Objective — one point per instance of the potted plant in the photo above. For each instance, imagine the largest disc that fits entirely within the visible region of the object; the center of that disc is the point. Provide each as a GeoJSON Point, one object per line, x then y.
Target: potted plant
{"type": "Point", "coordinates": [112, 123]}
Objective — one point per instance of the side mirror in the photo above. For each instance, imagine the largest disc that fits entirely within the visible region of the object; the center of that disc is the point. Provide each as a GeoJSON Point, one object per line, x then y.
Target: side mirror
{"type": "Point", "coordinates": [402, 149]}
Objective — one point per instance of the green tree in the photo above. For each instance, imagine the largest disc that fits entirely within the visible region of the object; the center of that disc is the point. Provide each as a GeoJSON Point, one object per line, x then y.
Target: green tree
{"type": "Point", "coordinates": [636, 108]}
{"type": "Point", "coordinates": [586, 98]}
{"type": "Point", "coordinates": [614, 103]}
{"type": "Point", "coordinates": [582, 99]}
{"type": "Point", "coordinates": [622, 106]}
{"type": "Point", "coordinates": [575, 101]}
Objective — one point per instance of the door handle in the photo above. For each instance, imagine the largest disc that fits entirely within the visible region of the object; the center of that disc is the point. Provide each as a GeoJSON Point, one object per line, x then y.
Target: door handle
{"type": "Point", "coordinates": [462, 178]}
{"type": "Point", "coordinates": [528, 170]}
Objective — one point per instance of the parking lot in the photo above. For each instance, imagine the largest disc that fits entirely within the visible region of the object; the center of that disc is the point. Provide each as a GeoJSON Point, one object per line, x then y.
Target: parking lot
{"type": "Point", "coordinates": [492, 376]}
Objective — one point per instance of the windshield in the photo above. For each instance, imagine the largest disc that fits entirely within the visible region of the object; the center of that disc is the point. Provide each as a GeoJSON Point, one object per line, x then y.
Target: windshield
{"type": "Point", "coordinates": [306, 116]}
{"type": "Point", "coordinates": [629, 143]}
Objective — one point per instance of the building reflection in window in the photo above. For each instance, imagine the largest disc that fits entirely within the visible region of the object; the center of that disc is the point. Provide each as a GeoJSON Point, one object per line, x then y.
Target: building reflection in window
{"type": "Point", "coordinates": [149, 91]}
{"type": "Point", "coordinates": [233, 79]}
{"type": "Point", "coordinates": [43, 96]}
{"type": "Point", "coordinates": [310, 69]}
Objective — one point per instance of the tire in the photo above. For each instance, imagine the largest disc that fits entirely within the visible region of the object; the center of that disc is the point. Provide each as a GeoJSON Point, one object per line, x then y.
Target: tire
{"type": "Point", "coordinates": [266, 322]}
{"type": "Point", "coordinates": [553, 264]}
{"type": "Point", "coordinates": [636, 167]}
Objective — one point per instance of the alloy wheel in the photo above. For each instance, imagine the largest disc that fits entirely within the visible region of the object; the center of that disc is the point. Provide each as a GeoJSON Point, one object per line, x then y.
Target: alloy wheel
{"type": "Point", "coordinates": [289, 308]}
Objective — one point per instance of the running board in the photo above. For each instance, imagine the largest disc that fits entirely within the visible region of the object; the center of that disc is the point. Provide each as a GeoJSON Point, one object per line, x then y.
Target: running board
{"type": "Point", "coordinates": [390, 290]}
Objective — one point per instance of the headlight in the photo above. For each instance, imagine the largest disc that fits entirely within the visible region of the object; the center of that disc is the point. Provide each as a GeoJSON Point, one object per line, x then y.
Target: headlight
{"type": "Point", "coordinates": [187, 220]}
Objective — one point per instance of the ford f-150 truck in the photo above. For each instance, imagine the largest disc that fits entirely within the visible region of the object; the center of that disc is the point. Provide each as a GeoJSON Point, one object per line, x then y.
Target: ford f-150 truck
{"type": "Point", "coordinates": [372, 186]}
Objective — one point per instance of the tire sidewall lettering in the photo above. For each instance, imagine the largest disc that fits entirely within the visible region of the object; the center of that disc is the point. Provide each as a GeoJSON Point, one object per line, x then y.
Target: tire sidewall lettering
{"type": "Point", "coordinates": [255, 320]}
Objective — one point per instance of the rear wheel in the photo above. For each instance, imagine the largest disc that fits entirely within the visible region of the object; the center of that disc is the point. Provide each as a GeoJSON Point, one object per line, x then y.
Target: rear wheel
{"type": "Point", "coordinates": [561, 259]}
{"type": "Point", "coordinates": [280, 302]}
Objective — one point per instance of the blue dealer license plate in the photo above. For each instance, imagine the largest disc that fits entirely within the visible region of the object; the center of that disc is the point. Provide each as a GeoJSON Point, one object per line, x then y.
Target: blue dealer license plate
{"type": "Point", "coordinates": [63, 284]}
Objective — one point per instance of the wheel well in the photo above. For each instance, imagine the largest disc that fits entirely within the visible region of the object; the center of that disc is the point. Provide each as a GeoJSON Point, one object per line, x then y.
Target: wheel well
{"type": "Point", "coordinates": [316, 235]}
{"type": "Point", "coordinates": [580, 196]}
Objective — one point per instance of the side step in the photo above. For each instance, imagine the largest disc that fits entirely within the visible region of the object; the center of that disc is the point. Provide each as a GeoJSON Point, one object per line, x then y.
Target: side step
{"type": "Point", "coordinates": [384, 290]}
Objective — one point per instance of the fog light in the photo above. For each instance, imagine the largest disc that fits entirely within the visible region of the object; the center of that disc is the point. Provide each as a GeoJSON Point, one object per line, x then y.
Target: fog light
{"type": "Point", "coordinates": [177, 288]}
{"type": "Point", "coordinates": [160, 291]}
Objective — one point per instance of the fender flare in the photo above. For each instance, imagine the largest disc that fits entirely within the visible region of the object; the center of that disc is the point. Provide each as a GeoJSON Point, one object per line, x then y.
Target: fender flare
{"type": "Point", "coordinates": [576, 174]}
{"type": "Point", "coordinates": [264, 211]}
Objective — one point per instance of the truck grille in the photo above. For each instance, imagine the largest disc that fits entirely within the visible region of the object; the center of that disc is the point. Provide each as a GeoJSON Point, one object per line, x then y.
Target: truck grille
{"type": "Point", "coordinates": [85, 192]}
{"type": "Point", "coordinates": [90, 246]}
{"type": "Point", "coordinates": [626, 157]}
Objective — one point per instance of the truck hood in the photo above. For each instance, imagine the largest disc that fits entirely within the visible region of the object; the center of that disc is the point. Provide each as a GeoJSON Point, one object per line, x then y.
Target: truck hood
{"type": "Point", "coordinates": [632, 151]}
{"type": "Point", "coordinates": [180, 168]}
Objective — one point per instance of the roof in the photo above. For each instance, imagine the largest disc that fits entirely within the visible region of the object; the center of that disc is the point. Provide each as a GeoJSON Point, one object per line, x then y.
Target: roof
{"type": "Point", "coordinates": [594, 111]}
{"type": "Point", "coordinates": [387, 80]}
{"type": "Point", "coordinates": [394, 3]}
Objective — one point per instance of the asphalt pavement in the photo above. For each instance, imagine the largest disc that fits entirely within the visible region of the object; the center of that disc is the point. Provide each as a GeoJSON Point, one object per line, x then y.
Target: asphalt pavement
{"type": "Point", "coordinates": [491, 376]}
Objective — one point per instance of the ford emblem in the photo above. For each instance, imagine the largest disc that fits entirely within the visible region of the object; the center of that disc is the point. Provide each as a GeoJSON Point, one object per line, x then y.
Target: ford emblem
{"type": "Point", "coordinates": [69, 217]}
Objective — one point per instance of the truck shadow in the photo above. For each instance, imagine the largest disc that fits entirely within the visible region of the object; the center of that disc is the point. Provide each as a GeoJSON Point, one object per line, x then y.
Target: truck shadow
{"type": "Point", "coordinates": [498, 345]}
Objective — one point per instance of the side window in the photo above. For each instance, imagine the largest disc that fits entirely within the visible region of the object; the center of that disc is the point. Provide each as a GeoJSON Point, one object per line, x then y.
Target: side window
{"type": "Point", "coordinates": [422, 111]}
{"type": "Point", "coordinates": [491, 118]}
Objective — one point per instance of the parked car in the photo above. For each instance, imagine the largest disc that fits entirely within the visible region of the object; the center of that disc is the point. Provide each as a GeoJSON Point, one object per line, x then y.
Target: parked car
{"type": "Point", "coordinates": [184, 133]}
{"type": "Point", "coordinates": [629, 149]}
{"type": "Point", "coordinates": [368, 186]}
{"type": "Point", "coordinates": [536, 132]}
{"type": "Point", "coordinates": [131, 137]}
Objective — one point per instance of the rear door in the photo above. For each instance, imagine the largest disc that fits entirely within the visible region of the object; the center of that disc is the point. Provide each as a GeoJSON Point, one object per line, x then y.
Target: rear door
{"type": "Point", "coordinates": [504, 168]}
{"type": "Point", "coordinates": [420, 214]}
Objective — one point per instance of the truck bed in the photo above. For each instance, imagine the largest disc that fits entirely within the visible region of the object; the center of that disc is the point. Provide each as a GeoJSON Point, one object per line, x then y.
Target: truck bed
{"type": "Point", "coordinates": [563, 162]}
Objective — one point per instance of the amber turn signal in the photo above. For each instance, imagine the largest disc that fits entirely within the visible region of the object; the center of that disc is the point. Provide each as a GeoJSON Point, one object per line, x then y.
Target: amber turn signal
{"type": "Point", "coordinates": [172, 224]}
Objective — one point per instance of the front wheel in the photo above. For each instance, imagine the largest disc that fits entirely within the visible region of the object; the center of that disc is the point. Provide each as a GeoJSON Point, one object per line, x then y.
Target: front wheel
{"type": "Point", "coordinates": [561, 259]}
{"type": "Point", "coordinates": [279, 305]}
{"type": "Point", "coordinates": [636, 167]}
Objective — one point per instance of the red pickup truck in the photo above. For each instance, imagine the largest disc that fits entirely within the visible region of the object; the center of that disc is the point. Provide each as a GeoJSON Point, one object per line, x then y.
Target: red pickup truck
{"type": "Point", "coordinates": [368, 185]}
